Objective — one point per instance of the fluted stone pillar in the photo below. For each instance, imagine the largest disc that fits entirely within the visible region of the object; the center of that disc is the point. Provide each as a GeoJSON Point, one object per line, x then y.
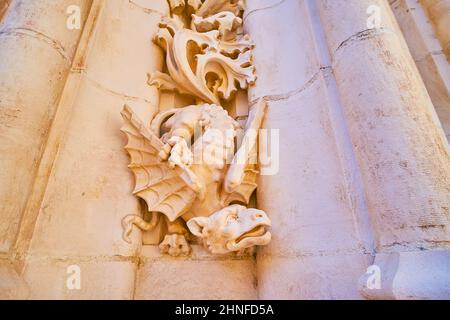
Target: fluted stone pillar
{"type": "Point", "coordinates": [402, 152]}
{"type": "Point", "coordinates": [36, 52]}
{"type": "Point", "coordinates": [321, 241]}
{"type": "Point", "coordinates": [439, 13]}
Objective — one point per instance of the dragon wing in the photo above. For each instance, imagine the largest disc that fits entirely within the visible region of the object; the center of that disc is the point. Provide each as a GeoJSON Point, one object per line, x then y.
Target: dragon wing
{"type": "Point", "coordinates": [241, 178]}
{"type": "Point", "coordinates": [164, 189]}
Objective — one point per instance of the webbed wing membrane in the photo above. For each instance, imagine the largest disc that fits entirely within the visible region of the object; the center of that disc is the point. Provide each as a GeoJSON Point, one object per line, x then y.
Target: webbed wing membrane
{"type": "Point", "coordinates": [248, 185]}
{"type": "Point", "coordinates": [162, 187]}
{"type": "Point", "coordinates": [241, 179]}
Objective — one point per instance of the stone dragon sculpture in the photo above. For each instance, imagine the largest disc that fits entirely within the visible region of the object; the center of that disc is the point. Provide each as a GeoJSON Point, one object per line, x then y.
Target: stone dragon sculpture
{"type": "Point", "coordinates": [196, 165]}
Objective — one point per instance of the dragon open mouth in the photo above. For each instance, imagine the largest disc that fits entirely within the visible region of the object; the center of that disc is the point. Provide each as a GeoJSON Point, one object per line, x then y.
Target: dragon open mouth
{"type": "Point", "coordinates": [258, 235]}
{"type": "Point", "coordinates": [257, 231]}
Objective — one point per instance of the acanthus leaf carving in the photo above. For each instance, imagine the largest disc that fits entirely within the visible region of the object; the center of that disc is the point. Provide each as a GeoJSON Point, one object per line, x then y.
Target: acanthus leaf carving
{"type": "Point", "coordinates": [178, 6]}
{"type": "Point", "coordinates": [211, 7]}
{"type": "Point", "coordinates": [226, 23]}
{"type": "Point", "coordinates": [210, 62]}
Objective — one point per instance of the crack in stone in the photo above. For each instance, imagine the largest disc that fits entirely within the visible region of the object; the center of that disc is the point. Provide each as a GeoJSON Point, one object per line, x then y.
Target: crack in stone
{"type": "Point", "coordinates": [39, 36]}
{"type": "Point", "coordinates": [262, 9]}
{"type": "Point", "coordinates": [413, 246]}
{"type": "Point", "coordinates": [137, 267]}
{"type": "Point", "coordinates": [196, 256]}
{"type": "Point", "coordinates": [286, 96]}
{"type": "Point", "coordinates": [319, 253]}
{"type": "Point", "coordinates": [139, 260]}
{"type": "Point", "coordinates": [361, 36]}
{"type": "Point", "coordinates": [81, 259]}
{"type": "Point", "coordinates": [145, 259]}
{"type": "Point", "coordinates": [113, 92]}
{"type": "Point", "coordinates": [146, 10]}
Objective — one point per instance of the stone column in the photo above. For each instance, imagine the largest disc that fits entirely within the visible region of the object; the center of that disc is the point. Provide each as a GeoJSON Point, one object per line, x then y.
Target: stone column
{"type": "Point", "coordinates": [36, 52]}
{"type": "Point", "coordinates": [439, 13]}
{"type": "Point", "coordinates": [321, 240]}
{"type": "Point", "coordinates": [401, 150]}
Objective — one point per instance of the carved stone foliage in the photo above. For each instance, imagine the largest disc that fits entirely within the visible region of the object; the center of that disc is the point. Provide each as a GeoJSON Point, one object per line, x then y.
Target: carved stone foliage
{"type": "Point", "coordinates": [212, 59]}
{"type": "Point", "coordinates": [195, 166]}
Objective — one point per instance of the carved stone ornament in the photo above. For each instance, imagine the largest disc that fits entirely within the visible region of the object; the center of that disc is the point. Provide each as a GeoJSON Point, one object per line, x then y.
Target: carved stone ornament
{"type": "Point", "coordinates": [196, 166]}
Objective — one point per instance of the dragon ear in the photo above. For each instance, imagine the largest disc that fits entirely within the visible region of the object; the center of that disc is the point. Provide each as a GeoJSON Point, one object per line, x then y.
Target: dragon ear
{"type": "Point", "coordinates": [196, 225]}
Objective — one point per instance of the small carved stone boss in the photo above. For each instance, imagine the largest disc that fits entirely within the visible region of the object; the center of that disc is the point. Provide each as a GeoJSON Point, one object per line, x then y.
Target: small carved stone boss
{"type": "Point", "coordinates": [196, 166]}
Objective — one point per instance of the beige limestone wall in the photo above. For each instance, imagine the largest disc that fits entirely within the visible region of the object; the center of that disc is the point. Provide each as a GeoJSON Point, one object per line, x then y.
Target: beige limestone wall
{"type": "Point", "coordinates": [32, 31]}
{"type": "Point", "coordinates": [89, 189]}
{"type": "Point", "coordinates": [428, 55]}
{"type": "Point", "coordinates": [321, 239]}
{"type": "Point", "coordinates": [199, 276]}
{"type": "Point", "coordinates": [401, 149]}
{"type": "Point", "coordinates": [439, 14]}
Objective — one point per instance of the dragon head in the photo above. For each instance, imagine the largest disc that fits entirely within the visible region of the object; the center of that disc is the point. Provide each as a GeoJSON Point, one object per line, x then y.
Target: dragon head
{"type": "Point", "coordinates": [232, 229]}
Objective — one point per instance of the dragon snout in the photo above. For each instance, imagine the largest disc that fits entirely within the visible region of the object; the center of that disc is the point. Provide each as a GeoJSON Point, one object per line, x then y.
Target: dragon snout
{"type": "Point", "coordinates": [260, 217]}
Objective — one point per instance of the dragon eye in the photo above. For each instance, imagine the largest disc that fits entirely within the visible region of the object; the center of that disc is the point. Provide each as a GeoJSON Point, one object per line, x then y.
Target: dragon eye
{"type": "Point", "coordinates": [232, 217]}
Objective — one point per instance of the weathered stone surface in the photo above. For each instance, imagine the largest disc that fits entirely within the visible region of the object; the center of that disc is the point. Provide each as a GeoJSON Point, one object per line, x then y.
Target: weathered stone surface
{"type": "Point", "coordinates": [399, 146]}
{"type": "Point", "coordinates": [36, 50]}
{"type": "Point", "coordinates": [439, 13]}
{"type": "Point", "coordinates": [12, 286]}
{"type": "Point", "coordinates": [106, 278]}
{"type": "Point", "coordinates": [428, 55]}
{"type": "Point", "coordinates": [321, 276]}
{"type": "Point", "coordinates": [195, 278]}
{"type": "Point", "coordinates": [280, 59]}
